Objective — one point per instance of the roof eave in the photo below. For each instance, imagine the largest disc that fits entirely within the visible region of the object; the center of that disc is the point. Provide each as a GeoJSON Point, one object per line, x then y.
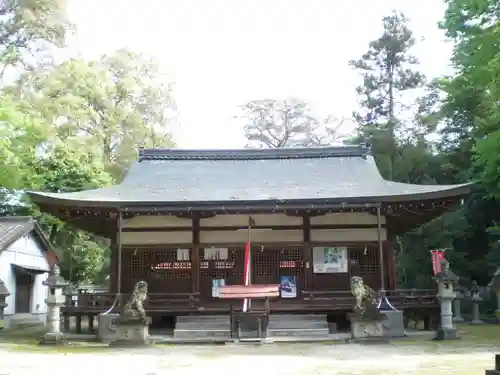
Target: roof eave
{"type": "Point", "coordinates": [44, 199]}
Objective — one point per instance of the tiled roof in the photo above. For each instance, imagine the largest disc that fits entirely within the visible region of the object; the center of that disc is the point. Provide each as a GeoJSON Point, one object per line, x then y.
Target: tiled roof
{"type": "Point", "coordinates": [14, 227]}
{"type": "Point", "coordinates": [172, 176]}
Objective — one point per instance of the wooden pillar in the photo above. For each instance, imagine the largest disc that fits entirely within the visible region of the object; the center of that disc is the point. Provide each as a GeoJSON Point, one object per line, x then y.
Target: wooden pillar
{"type": "Point", "coordinates": [381, 250]}
{"type": "Point", "coordinates": [119, 258]}
{"type": "Point", "coordinates": [307, 253]}
{"type": "Point", "coordinates": [113, 266]}
{"type": "Point", "coordinates": [391, 264]}
{"type": "Point", "coordinates": [195, 256]}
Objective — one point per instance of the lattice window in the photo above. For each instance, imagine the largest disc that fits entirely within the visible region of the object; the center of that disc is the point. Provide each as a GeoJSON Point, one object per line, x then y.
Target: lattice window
{"type": "Point", "coordinates": [265, 263]}
{"type": "Point", "coordinates": [220, 268]}
{"type": "Point", "coordinates": [291, 259]}
{"type": "Point", "coordinates": [365, 260]}
{"type": "Point", "coordinates": [159, 267]}
{"type": "Point", "coordinates": [135, 264]}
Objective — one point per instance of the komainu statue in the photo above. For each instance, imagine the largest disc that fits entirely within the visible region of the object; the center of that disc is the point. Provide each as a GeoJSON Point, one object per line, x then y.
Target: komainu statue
{"type": "Point", "coordinates": [134, 308]}
{"type": "Point", "coordinates": [365, 307]}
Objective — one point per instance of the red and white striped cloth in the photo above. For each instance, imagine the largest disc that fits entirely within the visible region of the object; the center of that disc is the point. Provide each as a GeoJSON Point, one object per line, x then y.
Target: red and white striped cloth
{"type": "Point", "coordinates": [246, 273]}
{"type": "Point", "coordinates": [437, 256]}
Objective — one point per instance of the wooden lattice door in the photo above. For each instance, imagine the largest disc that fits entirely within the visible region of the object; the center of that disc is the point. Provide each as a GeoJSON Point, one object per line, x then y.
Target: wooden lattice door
{"type": "Point", "coordinates": [270, 265]}
{"type": "Point", "coordinates": [364, 262]}
{"type": "Point", "coordinates": [165, 270]}
{"type": "Point", "coordinates": [229, 269]}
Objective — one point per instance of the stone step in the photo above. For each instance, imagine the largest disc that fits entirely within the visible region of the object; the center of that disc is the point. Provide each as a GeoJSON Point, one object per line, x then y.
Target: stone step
{"type": "Point", "coordinates": [26, 320]}
{"type": "Point", "coordinates": [202, 318]}
{"type": "Point", "coordinates": [290, 317]}
{"type": "Point", "coordinates": [201, 333]}
{"type": "Point", "coordinates": [206, 327]}
{"type": "Point", "coordinates": [298, 325]}
{"type": "Point", "coordinates": [298, 333]}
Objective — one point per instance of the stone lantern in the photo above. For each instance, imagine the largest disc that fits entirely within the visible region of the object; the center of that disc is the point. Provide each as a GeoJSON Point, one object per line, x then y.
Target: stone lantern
{"type": "Point", "coordinates": [476, 299]}
{"type": "Point", "coordinates": [54, 301]}
{"type": "Point", "coordinates": [4, 293]}
{"type": "Point", "coordinates": [495, 286]}
{"type": "Point", "coordinates": [446, 280]}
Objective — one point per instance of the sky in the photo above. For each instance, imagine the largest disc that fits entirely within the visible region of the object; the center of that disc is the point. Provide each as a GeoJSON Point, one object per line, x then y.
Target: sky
{"type": "Point", "coordinates": [223, 53]}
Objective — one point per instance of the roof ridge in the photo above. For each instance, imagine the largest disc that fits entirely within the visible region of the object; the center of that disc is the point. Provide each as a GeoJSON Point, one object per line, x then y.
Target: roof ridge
{"type": "Point", "coordinates": [253, 154]}
{"type": "Point", "coordinates": [17, 218]}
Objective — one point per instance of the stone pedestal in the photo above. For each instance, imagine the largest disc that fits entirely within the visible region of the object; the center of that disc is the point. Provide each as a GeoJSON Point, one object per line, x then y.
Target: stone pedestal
{"type": "Point", "coordinates": [362, 330]}
{"type": "Point", "coordinates": [476, 301]}
{"type": "Point", "coordinates": [107, 331]}
{"type": "Point", "coordinates": [132, 332]}
{"type": "Point", "coordinates": [446, 330]}
{"type": "Point", "coordinates": [394, 324]}
{"type": "Point", "coordinates": [54, 301]}
{"type": "Point", "coordinates": [476, 313]}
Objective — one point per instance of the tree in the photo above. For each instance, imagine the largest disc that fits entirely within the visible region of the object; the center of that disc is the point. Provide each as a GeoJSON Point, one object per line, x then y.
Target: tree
{"type": "Point", "coordinates": [111, 106]}
{"type": "Point", "coordinates": [277, 123]}
{"type": "Point", "coordinates": [59, 168]}
{"type": "Point", "coordinates": [21, 134]}
{"type": "Point", "coordinates": [65, 169]}
{"type": "Point", "coordinates": [470, 136]}
{"type": "Point", "coordinates": [28, 30]}
{"type": "Point", "coordinates": [387, 70]}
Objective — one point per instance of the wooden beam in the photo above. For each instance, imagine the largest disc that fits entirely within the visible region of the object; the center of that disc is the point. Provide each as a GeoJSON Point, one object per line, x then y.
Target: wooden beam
{"type": "Point", "coordinates": [307, 252]}
{"type": "Point", "coordinates": [195, 261]}
{"type": "Point", "coordinates": [233, 228]}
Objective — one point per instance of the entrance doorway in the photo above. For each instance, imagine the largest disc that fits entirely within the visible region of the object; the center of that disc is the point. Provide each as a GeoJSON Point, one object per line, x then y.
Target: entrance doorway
{"type": "Point", "coordinates": [24, 291]}
{"type": "Point", "coordinates": [279, 266]}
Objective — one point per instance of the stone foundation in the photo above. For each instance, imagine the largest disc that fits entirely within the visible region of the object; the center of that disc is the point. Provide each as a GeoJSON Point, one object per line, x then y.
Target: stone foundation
{"type": "Point", "coordinates": [446, 334]}
{"type": "Point", "coordinates": [367, 330]}
{"type": "Point", "coordinates": [53, 338]}
{"type": "Point", "coordinates": [132, 332]}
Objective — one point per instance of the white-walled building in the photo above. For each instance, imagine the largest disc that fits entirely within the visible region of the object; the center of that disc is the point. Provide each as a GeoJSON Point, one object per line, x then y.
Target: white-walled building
{"type": "Point", "coordinates": [25, 260]}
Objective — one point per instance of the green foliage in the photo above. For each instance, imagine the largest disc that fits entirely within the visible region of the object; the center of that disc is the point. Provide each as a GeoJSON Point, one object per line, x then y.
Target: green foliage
{"type": "Point", "coordinates": [73, 126]}
{"type": "Point", "coordinates": [109, 106]}
{"type": "Point", "coordinates": [20, 135]}
{"type": "Point", "coordinates": [28, 30]}
{"type": "Point", "coordinates": [65, 169]}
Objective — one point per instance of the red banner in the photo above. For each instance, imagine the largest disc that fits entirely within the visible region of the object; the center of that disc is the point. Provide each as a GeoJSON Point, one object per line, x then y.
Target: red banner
{"type": "Point", "coordinates": [246, 269]}
{"type": "Point", "coordinates": [437, 256]}
{"type": "Point", "coordinates": [246, 272]}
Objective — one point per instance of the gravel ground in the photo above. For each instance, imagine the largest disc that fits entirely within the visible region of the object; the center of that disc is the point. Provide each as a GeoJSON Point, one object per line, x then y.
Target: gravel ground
{"type": "Point", "coordinates": [276, 359]}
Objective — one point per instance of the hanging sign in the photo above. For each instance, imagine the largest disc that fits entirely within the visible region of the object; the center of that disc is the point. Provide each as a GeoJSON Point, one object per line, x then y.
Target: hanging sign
{"type": "Point", "coordinates": [216, 254]}
{"type": "Point", "coordinates": [182, 254]}
{"type": "Point", "coordinates": [216, 284]}
{"type": "Point", "coordinates": [330, 259]}
{"type": "Point", "coordinates": [437, 256]}
{"type": "Point", "coordinates": [288, 287]}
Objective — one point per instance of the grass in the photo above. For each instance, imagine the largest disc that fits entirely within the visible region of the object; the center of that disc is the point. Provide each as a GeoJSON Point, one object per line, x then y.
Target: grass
{"type": "Point", "coordinates": [471, 336]}
{"type": "Point", "coordinates": [28, 339]}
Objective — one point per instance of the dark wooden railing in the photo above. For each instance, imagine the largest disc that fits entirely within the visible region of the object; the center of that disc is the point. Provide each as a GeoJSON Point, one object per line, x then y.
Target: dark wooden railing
{"type": "Point", "coordinates": [401, 298]}
{"type": "Point", "coordinates": [100, 302]}
{"type": "Point", "coordinates": [95, 303]}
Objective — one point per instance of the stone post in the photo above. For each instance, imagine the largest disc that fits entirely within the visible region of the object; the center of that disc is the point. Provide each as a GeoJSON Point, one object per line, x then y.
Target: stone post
{"type": "Point", "coordinates": [496, 371]}
{"type": "Point", "coordinates": [495, 286]}
{"type": "Point", "coordinates": [457, 308]}
{"type": "Point", "coordinates": [54, 301]}
{"type": "Point", "coordinates": [476, 300]}
{"type": "Point", "coordinates": [4, 293]}
{"type": "Point", "coordinates": [446, 280]}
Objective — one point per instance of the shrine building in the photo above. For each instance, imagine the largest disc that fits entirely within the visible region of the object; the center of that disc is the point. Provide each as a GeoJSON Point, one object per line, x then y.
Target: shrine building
{"type": "Point", "coordinates": [314, 217]}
